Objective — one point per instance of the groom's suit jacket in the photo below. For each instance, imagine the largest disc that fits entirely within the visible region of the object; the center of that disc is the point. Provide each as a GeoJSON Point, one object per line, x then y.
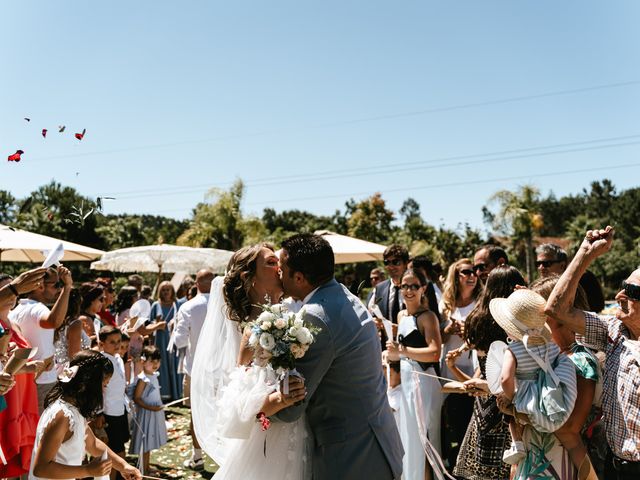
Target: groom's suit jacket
{"type": "Point", "coordinates": [353, 428]}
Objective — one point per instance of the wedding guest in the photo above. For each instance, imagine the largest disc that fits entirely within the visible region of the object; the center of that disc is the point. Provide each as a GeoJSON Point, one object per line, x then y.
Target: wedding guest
{"type": "Point", "coordinates": [487, 258]}
{"type": "Point", "coordinates": [105, 314]}
{"type": "Point", "coordinates": [92, 301]}
{"type": "Point", "coordinates": [587, 412]}
{"type": "Point", "coordinates": [387, 294]}
{"type": "Point", "coordinates": [125, 299]}
{"type": "Point", "coordinates": [70, 337]}
{"type": "Point", "coordinates": [461, 289]}
{"type": "Point", "coordinates": [617, 336]}
{"type": "Point", "coordinates": [421, 262]}
{"type": "Point", "coordinates": [376, 276]}
{"type": "Point", "coordinates": [182, 294]}
{"type": "Point", "coordinates": [19, 418]}
{"type": "Point", "coordinates": [164, 310]}
{"type": "Point", "coordinates": [37, 323]}
{"type": "Point", "coordinates": [551, 259]}
{"type": "Point", "coordinates": [114, 412]}
{"type": "Point", "coordinates": [190, 320]}
{"type": "Point", "coordinates": [418, 348]}
{"type": "Point", "coordinates": [487, 436]}
{"type": "Point", "coordinates": [145, 293]}
{"type": "Point", "coordinates": [135, 281]}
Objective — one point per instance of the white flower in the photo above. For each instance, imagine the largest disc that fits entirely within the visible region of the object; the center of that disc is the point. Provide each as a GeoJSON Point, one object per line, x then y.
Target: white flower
{"type": "Point", "coordinates": [254, 339]}
{"type": "Point", "coordinates": [293, 331]}
{"type": "Point", "coordinates": [298, 322]}
{"type": "Point", "coordinates": [304, 335]}
{"type": "Point", "coordinates": [277, 309]}
{"type": "Point", "coordinates": [267, 341]}
{"type": "Point", "coordinates": [266, 317]}
{"type": "Point", "coordinates": [265, 325]}
{"type": "Point", "coordinates": [280, 323]}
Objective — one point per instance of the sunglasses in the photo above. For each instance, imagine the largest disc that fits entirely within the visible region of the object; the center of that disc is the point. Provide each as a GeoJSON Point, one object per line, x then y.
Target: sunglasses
{"type": "Point", "coordinates": [396, 262]}
{"type": "Point", "coordinates": [479, 267]}
{"type": "Point", "coordinates": [631, 291]}
{"type": "Point", "coordinates": [57, 284]}
{"type": "Point", "coordinates": [414, 287]}
{"type": "Point", "coordinates": [546, 263]}
{"type": "Point", "coordinates": [467, 271]}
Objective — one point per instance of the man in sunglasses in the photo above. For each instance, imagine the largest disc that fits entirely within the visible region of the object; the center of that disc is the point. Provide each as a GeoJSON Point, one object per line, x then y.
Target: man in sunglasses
{"type": "Point", "coordinates": [487, 258]}
{"type": "Point", "coordinates": [617, 336]}
{"type": "Point", "coordinates": [38, 323]}
{"type": "Point", "coordinates": [551, 259]}
{"type": "Point", "coordinates": [387, 294]}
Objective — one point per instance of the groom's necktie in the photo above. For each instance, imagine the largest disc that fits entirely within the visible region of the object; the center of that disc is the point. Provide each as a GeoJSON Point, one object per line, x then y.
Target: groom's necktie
{"type": "Point", "coordinates": [395, 304]}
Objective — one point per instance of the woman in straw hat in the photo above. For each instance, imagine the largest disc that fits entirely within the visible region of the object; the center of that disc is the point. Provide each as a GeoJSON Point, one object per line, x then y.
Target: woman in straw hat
{"type": "Point", "coordinates": [537, 379]}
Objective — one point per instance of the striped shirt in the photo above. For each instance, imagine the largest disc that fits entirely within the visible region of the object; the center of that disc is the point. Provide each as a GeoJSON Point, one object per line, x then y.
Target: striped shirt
{"type": "Point", "coordinates": [621, 385]}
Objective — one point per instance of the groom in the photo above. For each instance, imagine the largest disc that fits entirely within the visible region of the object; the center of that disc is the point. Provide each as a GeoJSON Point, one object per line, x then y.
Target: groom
{"type": "Point", "coordinates": [354, 433]}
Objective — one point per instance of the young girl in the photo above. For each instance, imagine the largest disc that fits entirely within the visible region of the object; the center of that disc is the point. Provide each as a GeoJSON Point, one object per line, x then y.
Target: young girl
{"type": "Point", "coordinates": [63, 437]}
{"type": "Point", "coordinates": [149, 429]}
{"type": "Point", "coordinates": [545, 379]}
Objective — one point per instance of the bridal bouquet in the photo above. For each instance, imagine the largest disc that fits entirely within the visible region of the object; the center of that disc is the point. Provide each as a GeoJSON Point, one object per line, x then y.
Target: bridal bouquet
{"type": "Point", "coordinates": [279, 337]}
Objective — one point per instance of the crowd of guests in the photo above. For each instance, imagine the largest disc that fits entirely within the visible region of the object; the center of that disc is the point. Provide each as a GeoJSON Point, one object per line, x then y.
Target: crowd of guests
{"type": "Point", "coordinates": [565, 401]}
{"type": "Point", "coordinates": [111, 361]}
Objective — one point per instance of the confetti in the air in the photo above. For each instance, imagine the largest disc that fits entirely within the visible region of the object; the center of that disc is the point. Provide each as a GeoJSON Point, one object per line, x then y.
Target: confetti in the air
{"type": "Point", "coordinates": [27, 119]}
{"type": "Point", "coordinates": [44, 133]}
{"type": "Point", "coordinates": [61, 128]}
{"type": "Point", "coordinates": [80, 136]}
{"type": "Point", "coordinates": [16, 156]}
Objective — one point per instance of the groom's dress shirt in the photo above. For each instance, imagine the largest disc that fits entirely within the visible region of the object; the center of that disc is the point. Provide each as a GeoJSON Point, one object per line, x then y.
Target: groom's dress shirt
{"type": "Point", "coordinates": [191, 317]}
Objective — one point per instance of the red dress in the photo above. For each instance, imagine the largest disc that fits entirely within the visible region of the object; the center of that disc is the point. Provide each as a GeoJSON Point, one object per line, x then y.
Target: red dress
{"type": "Point", "coordinates": [18, 422]}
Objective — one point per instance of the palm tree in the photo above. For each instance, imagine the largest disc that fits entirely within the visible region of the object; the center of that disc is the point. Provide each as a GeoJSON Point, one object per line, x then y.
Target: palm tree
{"type": "Point", "coordinates": [518, 217]}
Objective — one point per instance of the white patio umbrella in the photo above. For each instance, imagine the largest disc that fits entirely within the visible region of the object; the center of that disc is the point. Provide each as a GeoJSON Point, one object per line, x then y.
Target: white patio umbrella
{"type": "Point", "coordinates": [163, 259]}
{"type": "Point", "coordinates": [352, 250]}
{"type": "Point", "coordinates": [21, 246]}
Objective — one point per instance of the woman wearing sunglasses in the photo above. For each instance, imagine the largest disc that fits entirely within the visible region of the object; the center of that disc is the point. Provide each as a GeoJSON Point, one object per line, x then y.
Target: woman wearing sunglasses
{"type": "Point", "coordinates": [418, 349]}
{"type": "Point", "coordinates": [461, 289]}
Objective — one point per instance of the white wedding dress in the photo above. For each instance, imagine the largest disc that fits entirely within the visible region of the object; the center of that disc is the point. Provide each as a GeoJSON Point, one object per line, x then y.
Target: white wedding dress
{"type": "Point", "coordinates": [225, 399]}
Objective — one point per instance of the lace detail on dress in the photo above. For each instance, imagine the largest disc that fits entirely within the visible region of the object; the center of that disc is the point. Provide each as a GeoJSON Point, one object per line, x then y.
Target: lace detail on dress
{"type": "Point", "coordinates": [60, 406]}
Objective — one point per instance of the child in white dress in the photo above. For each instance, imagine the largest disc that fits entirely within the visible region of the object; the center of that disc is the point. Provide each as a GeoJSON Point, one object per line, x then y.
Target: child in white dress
{"type": "Point", "coordinates": [63, 437]}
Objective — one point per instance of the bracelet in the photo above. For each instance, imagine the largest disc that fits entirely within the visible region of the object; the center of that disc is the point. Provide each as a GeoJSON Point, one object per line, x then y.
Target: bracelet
{"type": "Point", "coordinates": [264, 421]}
{"type": "Point", "coordinates": [13, 289]}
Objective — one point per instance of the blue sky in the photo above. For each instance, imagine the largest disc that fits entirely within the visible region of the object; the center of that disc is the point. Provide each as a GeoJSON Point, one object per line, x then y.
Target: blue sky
{"type": "Point", "coordinates": [328, 100]}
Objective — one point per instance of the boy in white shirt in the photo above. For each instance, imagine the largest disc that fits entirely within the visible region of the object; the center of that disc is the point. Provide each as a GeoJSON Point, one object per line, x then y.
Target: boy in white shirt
{"type": "Point", "coordinates": [115, 415]}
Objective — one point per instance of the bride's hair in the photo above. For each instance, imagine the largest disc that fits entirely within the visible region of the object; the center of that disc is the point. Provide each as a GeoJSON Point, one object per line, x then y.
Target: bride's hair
{"type": "Point", "coordinates": [239, 279]}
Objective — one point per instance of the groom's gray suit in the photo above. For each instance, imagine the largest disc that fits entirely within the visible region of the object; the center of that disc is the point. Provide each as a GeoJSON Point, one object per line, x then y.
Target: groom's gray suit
{"type": "Point", "coordinates": [353, 428]}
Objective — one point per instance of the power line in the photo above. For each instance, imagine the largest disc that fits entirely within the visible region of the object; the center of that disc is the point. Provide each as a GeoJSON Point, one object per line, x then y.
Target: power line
{"type": "Point", "coordinates": [341, 172]}
{"type": "Point", "coordinates": [391, 116]}
{"type": "Point", "coordinates": [394, 168]}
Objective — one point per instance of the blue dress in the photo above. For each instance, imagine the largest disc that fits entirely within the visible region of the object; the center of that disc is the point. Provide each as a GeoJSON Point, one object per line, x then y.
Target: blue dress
{"type": "Point", "coordinates": [149, 428]}
{"type": "Point", "coordinates": [170, 379]}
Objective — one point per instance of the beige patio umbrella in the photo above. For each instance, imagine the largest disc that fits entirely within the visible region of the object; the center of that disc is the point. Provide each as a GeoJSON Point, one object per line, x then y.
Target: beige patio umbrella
{"type": "Point", "coordinates": [350, 249]}
{"type": "Point", "coordinates": [163, 259]}
{"type": "Point", "coordinates": [21, 246]}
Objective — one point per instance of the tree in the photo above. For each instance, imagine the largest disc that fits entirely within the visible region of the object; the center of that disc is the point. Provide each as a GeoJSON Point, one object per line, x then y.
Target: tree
{"type": "Point", "coordinates": [370, 219]}
{"type": "Point", "coordinates": [518, 216]}
{"type": "Point", "coordinates": [220, 224]}
{"type": "Point", "coordinates": [7, 207]}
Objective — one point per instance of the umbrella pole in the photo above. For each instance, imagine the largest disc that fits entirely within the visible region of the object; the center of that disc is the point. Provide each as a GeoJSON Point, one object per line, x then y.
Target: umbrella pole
{"type": "Point", "coordinates": [157, 285]}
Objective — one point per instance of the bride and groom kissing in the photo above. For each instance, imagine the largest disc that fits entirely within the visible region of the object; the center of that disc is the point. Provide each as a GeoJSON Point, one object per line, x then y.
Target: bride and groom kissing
{"type": "Point", "coordinates": [338, 425]}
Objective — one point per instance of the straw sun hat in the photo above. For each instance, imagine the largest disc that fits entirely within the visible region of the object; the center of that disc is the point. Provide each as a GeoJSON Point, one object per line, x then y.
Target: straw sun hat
{"type": "Point", "coordinates": [521, 314]}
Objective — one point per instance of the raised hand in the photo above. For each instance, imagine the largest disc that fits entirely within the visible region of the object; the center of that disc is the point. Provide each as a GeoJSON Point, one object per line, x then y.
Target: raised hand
{"type": "Point", "coordinates": [30, 280]}
{"type": "Point", "coordinates": [598, 242]}
{"type": "Point", "coordinates": [64, 274]}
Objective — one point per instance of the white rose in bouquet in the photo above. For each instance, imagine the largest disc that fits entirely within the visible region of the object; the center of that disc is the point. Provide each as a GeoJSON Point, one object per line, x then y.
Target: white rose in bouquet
{"type": "Point", "coordinates": [293, 332]}
{"type": "Point", "coordinates": [265, 326]}
{"type": "Point", "coordinates": [266, 317]}
{"type": "Point", "coordinates": [298, 322]}
{"type": "Point", "coordinates": [304, 335]}
{"type": "Point", "coordinates": [277, 309]}
{"type": "Point", "coordinates": [267, 341]}
{"type": "Point", "coordinates": [280, 323]}
{"type": "Point", "coordinates": [254, 339]}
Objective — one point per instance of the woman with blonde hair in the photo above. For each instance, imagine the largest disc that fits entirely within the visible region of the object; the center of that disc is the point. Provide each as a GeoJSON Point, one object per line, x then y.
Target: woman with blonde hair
{"type": "Point", "coordinates": [165, 310]}
{"type": "Point", "coordinates": [461, 289]}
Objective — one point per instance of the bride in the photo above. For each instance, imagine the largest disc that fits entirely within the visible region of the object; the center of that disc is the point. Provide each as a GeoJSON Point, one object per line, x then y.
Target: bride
{"type": "Point", "coordinates": [229, 390]}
